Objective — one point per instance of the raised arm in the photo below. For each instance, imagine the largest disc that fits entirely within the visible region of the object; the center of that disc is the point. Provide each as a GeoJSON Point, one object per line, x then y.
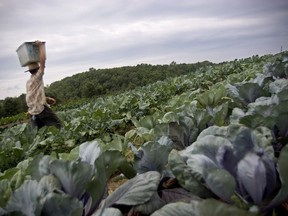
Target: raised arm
{"type": "Point", "coordinates": [42, 54]}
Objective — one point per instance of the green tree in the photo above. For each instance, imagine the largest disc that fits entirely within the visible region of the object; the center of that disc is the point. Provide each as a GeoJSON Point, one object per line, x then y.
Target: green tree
{"type": "Point", "coordinates": [11, 106]}
{"type": "Point", "coordinates": [88, 90]}
{"type": "Point", "coordinates": [2, 113]}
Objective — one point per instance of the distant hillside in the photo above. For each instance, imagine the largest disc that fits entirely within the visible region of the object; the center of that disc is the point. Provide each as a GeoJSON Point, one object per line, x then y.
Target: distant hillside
{"type": "Point", "coordinates": [99, 82]}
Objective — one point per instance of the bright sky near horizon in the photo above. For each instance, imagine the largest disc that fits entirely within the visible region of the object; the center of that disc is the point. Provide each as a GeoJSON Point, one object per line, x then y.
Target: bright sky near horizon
{"type": "Point", "coordinates": [105, 34]}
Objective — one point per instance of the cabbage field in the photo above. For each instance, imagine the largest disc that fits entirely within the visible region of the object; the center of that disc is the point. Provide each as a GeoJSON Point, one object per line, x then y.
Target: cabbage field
{"type": "Point", "coordinates": [213, 142]}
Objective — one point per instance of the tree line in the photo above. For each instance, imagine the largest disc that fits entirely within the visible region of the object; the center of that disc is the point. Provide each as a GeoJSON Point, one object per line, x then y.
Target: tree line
{"type": "Point", "coordinates": [98, 82]}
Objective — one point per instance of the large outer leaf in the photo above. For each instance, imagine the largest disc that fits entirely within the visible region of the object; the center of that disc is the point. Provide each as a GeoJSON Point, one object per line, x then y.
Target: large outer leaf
{"type": "Point", "coordinates": [256, 120]}
{"type": "Point", "coordinates": [3, 212]}
{"type": "Point", "coordinates": [213, 130]}
{"type": "Point", "coordinates": [187, 178]}
{"type": "Point", "coordinates": [74, 176]}
{"type": "Point", "coordinates": [113, 143]}
{"type": "Point", "coordinates": [96, 188]}
{"type": "Point", "coordinates": [177, 209]}
{"type": "Point", "coordinates": [161, 130]}
{"type": "Point", "coordinates": [283, 95]}
{"type": "Point", "coordinates": [72, 155]}
{"type": "Point", "coordinates": [249, 92]}
{"type": "Point", "coordinates": [201, 118]}
{"type": "Point", "coordinates": [282, 125]}
{"type": "Point", "coordinates": [245, 93]}
{"type": "Point", "coordinates": [212, 96]}
{"type": "Point", "coordinates": [154, 158]}
{"type": "Point", "coordinates": [112, 160]}
{"type": "Point", "coordinates": [221, 183]}
{"type": "Point", "coordinates": [135, 191]}
{"type": "Point", "coordinates": [227, 159]}
{"type": "Point", "coordinates": [279, 68]}
{"type": "Point", "coordinates": [5, 191]}
{"type": "Point", "coordinates": [8, 174]}
{"type": "Point", "coordinates": [246, 140]}
{"type": "Point", "coordinates": [165, 141]}
{"type": "Point", "coordinates": [268, 115]}
{"type": "Point", "coordinates": [89, 151]}
{"type": "Point", "coordinates": [282, 195]}
{"type": "Point", "coordinates": [199, 163]}
{"type": "Point", "coordinates": [241, 138]}
{"type": "Point", "coordinates": [208, 146]}
{"type": "Point", "coordinates": [149, 207]}
{"type": "Point", "coordinates": [61, 205]}
{"type": "Point", "coordinates": [177, 133]}
{"type": "Point", "coordinates": [25, 199]}
{"type": "Point", "coordinates": [47, 184]}
{"type": "Point", "coordinates": [213, 207]}
{"type": "Point", "coordinates": [108, 212]}
{"type": "Point", "coordinates": [183, 132]}
{"type": "Point", "coordinates": [263, 139]}
{"type": "Point", "coordinates": [127, 169]}
{"type": "Point", "coordinates": [178, 194]}
{"type": "Point", "coordinates": [278, 85]}
{"type": "Point", "coordinates": [236, 115]}
{"type": "Point", "coordinates": [170, 117]}
{"type": "Point", "coordinates": [18, 179]}
{"type": "Point", "coordinates": [146, 122]}
{"type": "Point", "coordinates": [39, 167]}
{"type": "Point", "coordinates": [220, 114]}
{"type": "Point", "coordinates": [233, 92]}
{"type": "Point", "coordinates": [143, 133]}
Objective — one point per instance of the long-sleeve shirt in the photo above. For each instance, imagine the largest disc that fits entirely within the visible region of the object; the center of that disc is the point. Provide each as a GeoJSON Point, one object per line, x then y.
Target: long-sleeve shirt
{"type": "Point", "coordinates": [35, 95]}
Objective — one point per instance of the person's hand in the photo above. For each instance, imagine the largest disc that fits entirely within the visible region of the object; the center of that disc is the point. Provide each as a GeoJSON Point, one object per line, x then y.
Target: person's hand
{"type": "Point", "coordinates": [50, 100]}
{"type": "Point", "coordinates": [38, 42]}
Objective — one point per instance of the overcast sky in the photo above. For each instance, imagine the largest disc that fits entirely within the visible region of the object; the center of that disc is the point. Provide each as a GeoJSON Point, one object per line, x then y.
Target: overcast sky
{"type": "Point", "coordinates": [114, 33]}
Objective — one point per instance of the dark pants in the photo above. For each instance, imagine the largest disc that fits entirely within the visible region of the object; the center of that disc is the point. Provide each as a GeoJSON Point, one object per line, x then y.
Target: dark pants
{"type": "Point", "coordinates": [46, 118]}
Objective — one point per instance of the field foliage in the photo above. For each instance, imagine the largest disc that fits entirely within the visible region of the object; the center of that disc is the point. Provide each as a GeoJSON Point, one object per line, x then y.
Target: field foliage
{"type": "Point", "coordinates": [211, 142]}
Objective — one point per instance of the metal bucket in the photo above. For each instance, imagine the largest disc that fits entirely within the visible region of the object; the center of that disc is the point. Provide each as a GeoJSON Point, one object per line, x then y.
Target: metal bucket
{"type": "Point", "coordinates": [28, 53]}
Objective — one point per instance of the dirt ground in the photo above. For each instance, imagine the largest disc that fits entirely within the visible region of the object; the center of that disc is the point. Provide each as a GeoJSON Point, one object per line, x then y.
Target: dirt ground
{"type": "Point", "coordinates": [115, 182]}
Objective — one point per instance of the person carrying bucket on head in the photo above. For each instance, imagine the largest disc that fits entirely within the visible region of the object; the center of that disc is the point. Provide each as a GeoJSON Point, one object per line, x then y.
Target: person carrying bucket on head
{"type": "Point", "coordinates": [38, 104]}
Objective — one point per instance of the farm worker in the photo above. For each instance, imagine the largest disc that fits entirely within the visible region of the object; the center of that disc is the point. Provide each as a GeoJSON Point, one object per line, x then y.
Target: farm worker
{"type": "Point", "coordinates": [38, 104]}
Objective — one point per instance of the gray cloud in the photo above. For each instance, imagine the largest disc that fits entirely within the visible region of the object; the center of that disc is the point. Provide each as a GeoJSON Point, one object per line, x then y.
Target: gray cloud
{"type": "Point", "coordinates": [105, 34]}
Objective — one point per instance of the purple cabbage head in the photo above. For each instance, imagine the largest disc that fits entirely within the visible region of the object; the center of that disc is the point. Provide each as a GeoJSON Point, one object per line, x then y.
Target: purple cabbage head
{"type": "Point", "coordinates": [256, 177]}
